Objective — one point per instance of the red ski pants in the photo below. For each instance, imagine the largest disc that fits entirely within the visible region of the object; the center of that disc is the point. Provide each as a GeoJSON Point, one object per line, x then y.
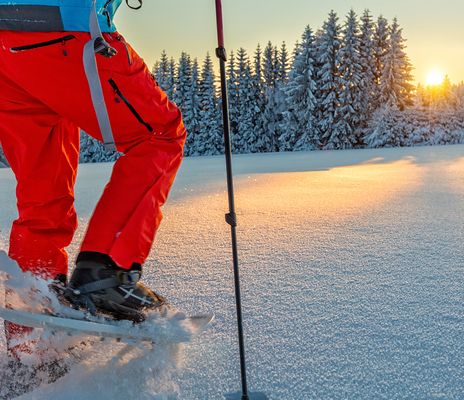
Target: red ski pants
{"type": "Point", "coordinates": [44, 100]}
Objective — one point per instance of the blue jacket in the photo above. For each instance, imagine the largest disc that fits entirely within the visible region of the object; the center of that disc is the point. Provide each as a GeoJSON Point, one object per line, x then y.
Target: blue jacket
{"type": "Point", "coordinates": [55, 15]}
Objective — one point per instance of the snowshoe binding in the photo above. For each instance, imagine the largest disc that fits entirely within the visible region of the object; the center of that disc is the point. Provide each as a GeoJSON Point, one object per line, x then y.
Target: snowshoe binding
{"type": "Point", "coordinates": [98, 285]}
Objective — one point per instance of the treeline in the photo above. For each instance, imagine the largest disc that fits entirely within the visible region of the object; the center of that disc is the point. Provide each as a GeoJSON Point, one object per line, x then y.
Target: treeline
{"type": "Point", "coordinates": [346, 85]}
{"type": "Point", "coordinates": [322, 96]}
{"type": "Point", "coordinates": [437, 118]}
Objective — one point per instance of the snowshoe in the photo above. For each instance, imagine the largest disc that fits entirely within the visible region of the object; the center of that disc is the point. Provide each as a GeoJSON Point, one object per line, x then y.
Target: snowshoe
{"type": "Point", "coordinates": [100, 286]}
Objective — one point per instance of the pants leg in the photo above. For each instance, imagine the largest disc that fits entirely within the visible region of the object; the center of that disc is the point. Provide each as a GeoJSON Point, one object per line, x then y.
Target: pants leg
{"type": "Point", "coordinates": [147, 128]}
{"type": "Point", "coordinates": [42, 149]}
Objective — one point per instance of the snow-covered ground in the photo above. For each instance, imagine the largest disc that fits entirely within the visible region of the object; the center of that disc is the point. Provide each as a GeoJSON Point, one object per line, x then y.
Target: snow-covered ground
{"type": "Point", "coordinates": [352, 269]}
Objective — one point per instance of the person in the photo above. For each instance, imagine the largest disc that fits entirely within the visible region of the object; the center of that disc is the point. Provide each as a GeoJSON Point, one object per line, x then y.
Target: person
{"type": "Point", "coordinates": [47, 94]}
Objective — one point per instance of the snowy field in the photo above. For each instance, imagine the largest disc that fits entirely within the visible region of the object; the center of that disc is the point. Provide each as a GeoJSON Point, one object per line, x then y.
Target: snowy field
{"type": "Point", "coordinates": [352, 270]}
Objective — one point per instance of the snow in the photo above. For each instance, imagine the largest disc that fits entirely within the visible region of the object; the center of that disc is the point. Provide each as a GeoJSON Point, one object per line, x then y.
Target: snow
{"type": "Point", "coordinates": [351, 266]}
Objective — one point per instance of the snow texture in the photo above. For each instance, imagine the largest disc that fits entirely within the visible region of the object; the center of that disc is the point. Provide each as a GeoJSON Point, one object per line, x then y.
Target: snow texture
{"type": "Point", "coordinates": [351, 266]}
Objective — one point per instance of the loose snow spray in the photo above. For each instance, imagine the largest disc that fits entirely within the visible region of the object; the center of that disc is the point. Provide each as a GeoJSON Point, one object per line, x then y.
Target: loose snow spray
{"type": "Point", "coordinates": [111, 370]}
{"type": "Point", "coordinates": [96, 367]}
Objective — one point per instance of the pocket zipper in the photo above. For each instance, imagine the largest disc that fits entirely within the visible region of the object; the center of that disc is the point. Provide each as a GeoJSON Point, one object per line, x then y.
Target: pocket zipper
{"type": "Point", "coordinates": [63, 40]}
{"type": "Point", "coordinates": [121, 39]}
{"type": "Point", "coordinates": [129, 105]}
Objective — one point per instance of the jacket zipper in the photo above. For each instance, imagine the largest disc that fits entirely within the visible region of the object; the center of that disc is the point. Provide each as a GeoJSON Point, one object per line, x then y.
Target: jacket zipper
{"type": "Point", "coordinates": [62, 40]}
{"type": "Point", "coordinates": [129, 105]}
{"type": "Point", "coordinates": [107, 13]}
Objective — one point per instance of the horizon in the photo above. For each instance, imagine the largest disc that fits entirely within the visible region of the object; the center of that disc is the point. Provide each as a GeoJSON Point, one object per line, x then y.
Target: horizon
{"type": "Point", "coordinates": [431, 51]}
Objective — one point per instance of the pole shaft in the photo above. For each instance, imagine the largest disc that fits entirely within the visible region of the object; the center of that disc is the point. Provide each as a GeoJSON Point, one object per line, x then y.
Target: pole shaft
{"type": "Point", "coordinates": [231, 217]}
{"type": "Point", "coordinates": [219, 23]}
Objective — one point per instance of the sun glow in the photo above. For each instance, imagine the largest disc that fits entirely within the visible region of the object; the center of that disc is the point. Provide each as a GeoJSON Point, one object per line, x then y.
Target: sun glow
{"type": "Point", "coordinates": [435, 78]}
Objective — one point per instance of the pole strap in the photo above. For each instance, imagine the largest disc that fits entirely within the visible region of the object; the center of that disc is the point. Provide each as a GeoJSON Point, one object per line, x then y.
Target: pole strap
{"type": "Point", "coordinates": [98, 45]}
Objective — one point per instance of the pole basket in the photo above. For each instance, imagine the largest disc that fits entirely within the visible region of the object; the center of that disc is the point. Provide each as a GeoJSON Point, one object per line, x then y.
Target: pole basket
{"type": "Point", "coordinates": [251, 396]}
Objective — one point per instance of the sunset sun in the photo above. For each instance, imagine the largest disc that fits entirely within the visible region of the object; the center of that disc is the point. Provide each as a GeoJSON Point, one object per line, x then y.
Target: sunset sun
{"type": "Point", "coordinates": [435, 78]}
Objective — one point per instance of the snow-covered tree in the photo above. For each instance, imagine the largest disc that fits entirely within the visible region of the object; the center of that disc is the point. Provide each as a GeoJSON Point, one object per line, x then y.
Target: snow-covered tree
{"type": "Point", "coordinates": [193, 111]}
{"type": "Point", "coordinates": [258, 67]}
{"type": "Point", "coordinates": [270, 65]}
{"type": "Point", "coordinates": [171, 82]}
{"type": "Point", "coordinates": [328, 80]}
{"type": "Point", "coordinates": [384, 129]}
{"type": "Point", "coordinates": [381, 47]}
{"type": "Point", "coordinates": [3, 161]}
{"type": "Point", "coordinates": [300, 125]}
{"type": "Point", "coordinates": [283, 65]}
{"type": "Point", "coordinates": [395, 86]}
{"type": "Point", "coordinates": [247, 139]}
{"type": "Point", "coordinates": [392, 127]}
{"type": "Point", "coordinates": [264, 137]}
{"type": "Point", "coordinates": [367, 60]}
{"type": "Point", "coordinates": [272, 118]}
{"type": "Point", "coordinates": [163, 74]}
{"type": "Point", "coordinates": [459, 92]}
{"type": "Point", "coordinates": [183, 81]}
{"type": "Point", "coordinates": [93, 151]}
{"type": "Point", "coordinates": [209, 139]}
{"type": "Point", "coordinates": [349, 110]}
{"type": "Point", "coordinates": [186, 97]}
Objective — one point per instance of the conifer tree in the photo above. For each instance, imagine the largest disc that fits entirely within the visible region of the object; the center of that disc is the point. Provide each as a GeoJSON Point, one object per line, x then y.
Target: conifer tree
{"type": "Point", "coordinates": [328, 47]}
{"type": "Point", "coordinates": [258, 60]}
{"type": "Point", "coordinates": [209, 139]}
{"type": "Point", "coordinates": [271, 117]}
{"type": "Point", "coordinates": [449, 96]}
{"type": "Point", "coordinates": [94, 151]}
{"type": "Point", "coordinates": [183, 97]}
{"type": "Point", "coordinates": [381, 46]}
{"type": "Point", "coordinates": [246, 140]}
{"type": "Point", "coordinates": [283, 66]}
{"type": "Point", "coordinates": [155, 69]}
{"type": "Point", "coordinates": [395, 86]}
{"type": "Point", "coordinates": [3, 161]}
{"type": "Point", "coordinates": [368, 63]}
{"type": "Point", "coordinates": [264, 141]}
{"type": "Point", "coordinates": [171, 79]}
{"type": "Point", "coordinates": [300, 125]}
{"type": "Point", "coordinates": [269, 66]}
{"type": "Point", "coordinates": [281, 80]}
{"type": "Point", "coordinates": [350, 95]}
{"type": "Point", "coordinates": [192, 110]}
{"type": "Point", "coordinates": [162, 73]}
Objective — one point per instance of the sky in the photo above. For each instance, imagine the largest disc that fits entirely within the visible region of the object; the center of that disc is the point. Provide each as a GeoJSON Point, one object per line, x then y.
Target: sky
{"type": "Point", "coordinates": [434, 29]}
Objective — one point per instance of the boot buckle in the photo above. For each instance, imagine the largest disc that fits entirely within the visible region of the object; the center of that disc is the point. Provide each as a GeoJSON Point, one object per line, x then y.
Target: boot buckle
{"type": "Point", "coordinates": [128, 277]}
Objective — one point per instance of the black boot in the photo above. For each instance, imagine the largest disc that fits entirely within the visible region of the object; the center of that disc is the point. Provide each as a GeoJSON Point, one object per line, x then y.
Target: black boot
{"type": "Point", "coordinates": [99, 285]}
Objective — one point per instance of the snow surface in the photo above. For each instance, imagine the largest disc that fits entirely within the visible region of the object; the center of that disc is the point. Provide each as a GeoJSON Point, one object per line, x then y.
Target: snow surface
{"type": "Point", "coordinates": [352, 272]}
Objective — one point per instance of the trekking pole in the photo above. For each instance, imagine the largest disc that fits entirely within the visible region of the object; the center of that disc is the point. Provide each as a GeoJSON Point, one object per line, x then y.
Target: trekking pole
{"type": "Point", "coordinates": [231, 217]}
